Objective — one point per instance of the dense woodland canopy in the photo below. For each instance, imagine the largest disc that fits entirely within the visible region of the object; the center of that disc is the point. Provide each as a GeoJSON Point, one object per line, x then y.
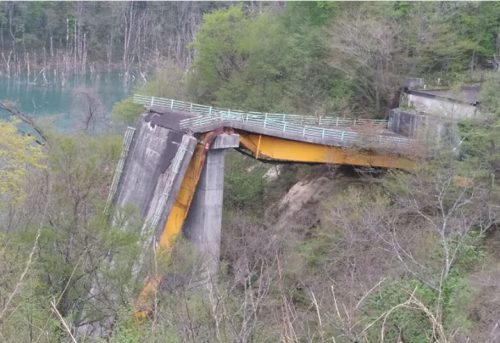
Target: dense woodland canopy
{"type": "Point", "coordinates": [318, 254]}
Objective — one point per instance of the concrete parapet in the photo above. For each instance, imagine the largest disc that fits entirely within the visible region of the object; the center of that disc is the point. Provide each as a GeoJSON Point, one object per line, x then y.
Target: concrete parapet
{"type": "Point", "coordinates": [226, 141]}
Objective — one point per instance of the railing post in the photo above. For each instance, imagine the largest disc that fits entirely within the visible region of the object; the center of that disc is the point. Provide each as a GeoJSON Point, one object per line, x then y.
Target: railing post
{"type": "Point", "coordinates": [284, 126]}
{"type": "Point", "coordinates": [210, 111]}
{"type": "Point", "coordinates": [152, 101]}
{"type": "Point", "coordinates": [342, 137]}
{"type": "Point", "coordinates": [171, 104]}
{"type": "Point", "coordinates": [191, 107]}
{"type": "Point", "coordinates": [323, 134]}
{"type": "Point", "coordinates": [304, 131]}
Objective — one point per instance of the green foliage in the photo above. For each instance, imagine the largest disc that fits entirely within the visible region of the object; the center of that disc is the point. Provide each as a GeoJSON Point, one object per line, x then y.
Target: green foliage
{"type": "Point", "coordinates": [78, 249]}
{"type": "Point", "coordinates": [477, 28]}
{"type": "Point", "coordinates": [127, 330]}
{"type": "Point", "coordinates": [243, 183]}
{"type": "Point", "coordinates": [315, 251]}
{"type": "Point", "coordinates": [309, 13]}
{"type": "Point", "coordinates": [279, 285]}
{"type": "Point", "coordinates": [472, 27]}
{"type": "Point", "coordinates": [29, 315]}
{"type": "Point", "coordinates": [481, 141]}
{"type": "Point", "coordinates": [255, 82]}
{"type": "Point", "coordinates": [19, 154]}
{"type": "Point", "coordinates": [414, 324]}
{"type": "Point", "coordinates": [74, 248]}
{"type": "Point", "coordinates": [481, 144]}
{"type": "Point", "coordinates": [218, 48]}
{"type": "Point", "coordinates": [169, 82]}
{"type": "Point", "coordinates": [126, 112]}
{"type": "Point", "coordinates": [271, 62]}
{"type": "Point", "coordinates": [490, 102]}
{"type": "Point", "coordinates": [469, 253]}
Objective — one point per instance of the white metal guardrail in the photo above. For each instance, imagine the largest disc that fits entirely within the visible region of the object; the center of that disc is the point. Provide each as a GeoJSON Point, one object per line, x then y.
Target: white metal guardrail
{"type": "Point", "coordinates": [347, 137]}
{"type": "Point", "coordinates": [307, 127]}
{"type": "Point", "coordinates": [203, 110]}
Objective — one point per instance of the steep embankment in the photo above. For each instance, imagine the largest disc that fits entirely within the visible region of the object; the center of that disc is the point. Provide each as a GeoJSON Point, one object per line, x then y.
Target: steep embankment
{"type": "Point", "coordinates": [302, 206]}
{"type": "Point", "coordinates": [333, 227]}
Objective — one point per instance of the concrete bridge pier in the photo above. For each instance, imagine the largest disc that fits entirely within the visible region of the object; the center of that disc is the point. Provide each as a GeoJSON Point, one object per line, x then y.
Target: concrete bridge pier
{"type": "Point", "coordinates": [203, 223]}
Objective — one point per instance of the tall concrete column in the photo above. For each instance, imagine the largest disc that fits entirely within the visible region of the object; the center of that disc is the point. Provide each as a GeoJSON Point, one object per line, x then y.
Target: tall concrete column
{"type": "Point", "coordinates": [203, 224]}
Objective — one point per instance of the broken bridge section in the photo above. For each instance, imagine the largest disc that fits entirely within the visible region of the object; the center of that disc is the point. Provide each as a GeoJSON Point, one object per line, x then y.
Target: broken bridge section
{"type": "Point", "coordinates": [172, 171]}
{"type": "Point", "coordinates": [155, 166]}
{"type": "Point", "coordinates": [299, 138]}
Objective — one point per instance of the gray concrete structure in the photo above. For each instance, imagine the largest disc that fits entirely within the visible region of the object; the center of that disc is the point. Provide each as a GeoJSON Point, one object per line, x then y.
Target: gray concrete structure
{"type": "Point", "coordinates": [154, 166]}
{"type": "Point", "coordinates": [144, 166]}
{"type": "Point", "coordinates": [204, 222]}
{"type": "Point", "coordinates": [169, 184]}
{"type": "Point", "coordinates": [456, 104]}
{"type": "Point", "coordinates": [430, 129]}
{"type": "Point", "coordinates": [153, 172]}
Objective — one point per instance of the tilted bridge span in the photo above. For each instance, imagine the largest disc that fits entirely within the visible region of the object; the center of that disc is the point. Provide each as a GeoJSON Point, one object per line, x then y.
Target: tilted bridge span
{"type": "Point", "coordinates": [172, 165]}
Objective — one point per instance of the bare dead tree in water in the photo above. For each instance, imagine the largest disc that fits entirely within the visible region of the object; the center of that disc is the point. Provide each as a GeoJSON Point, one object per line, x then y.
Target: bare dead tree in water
{"type": "Point", "coordinates": [88, 105]}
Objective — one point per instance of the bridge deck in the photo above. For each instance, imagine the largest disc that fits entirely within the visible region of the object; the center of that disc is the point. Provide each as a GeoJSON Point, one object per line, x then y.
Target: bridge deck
{"type": "Point", "coordinates": [332, 131]}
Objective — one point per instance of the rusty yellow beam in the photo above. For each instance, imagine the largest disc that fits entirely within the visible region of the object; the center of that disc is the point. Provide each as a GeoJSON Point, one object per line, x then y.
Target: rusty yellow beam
{"type": "Point", "coordinates": [275, 148]}
{"type": "Point", "coordinates": [179, 211]}
{"type": "Point", "coordinates": [175, 221]}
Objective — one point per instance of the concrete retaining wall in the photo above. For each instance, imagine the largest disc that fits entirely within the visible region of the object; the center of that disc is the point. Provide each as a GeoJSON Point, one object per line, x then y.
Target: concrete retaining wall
{"type": "Point", "coordinates": [423, 127]}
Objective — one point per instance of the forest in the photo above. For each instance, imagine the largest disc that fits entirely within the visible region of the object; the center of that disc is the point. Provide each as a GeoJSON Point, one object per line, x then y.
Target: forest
{"type": "Point", "coordinates": [81, 37]}
{"type": "Point", "coordinates": [310, 253]}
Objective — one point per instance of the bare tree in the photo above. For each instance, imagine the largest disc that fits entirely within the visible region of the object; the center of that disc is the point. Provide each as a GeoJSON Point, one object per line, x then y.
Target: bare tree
{"type": "Point", "coordinates": [363, 48]}
{"type": "Point", "coordinates": [87, 104]}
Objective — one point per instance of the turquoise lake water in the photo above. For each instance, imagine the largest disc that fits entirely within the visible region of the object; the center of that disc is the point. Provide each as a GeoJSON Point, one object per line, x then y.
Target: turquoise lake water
{"type": "Point", "coordinates": [55, 101]}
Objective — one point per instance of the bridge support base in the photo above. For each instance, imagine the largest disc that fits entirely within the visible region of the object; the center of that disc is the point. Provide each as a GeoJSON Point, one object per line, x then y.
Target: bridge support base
{"type": "Point", "coordinates": [203, 224]}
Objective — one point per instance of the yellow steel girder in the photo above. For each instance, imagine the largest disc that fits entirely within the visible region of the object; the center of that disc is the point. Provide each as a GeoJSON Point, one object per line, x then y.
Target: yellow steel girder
{"type": "Point", "coordinates": [275, 148]}
{"type": "Point", "coordinates": [175, 221]}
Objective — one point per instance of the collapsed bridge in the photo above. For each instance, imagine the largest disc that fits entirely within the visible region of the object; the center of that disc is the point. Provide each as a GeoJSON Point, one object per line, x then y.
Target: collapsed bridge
{"type": "Point", "coordinates": [172, 165]}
